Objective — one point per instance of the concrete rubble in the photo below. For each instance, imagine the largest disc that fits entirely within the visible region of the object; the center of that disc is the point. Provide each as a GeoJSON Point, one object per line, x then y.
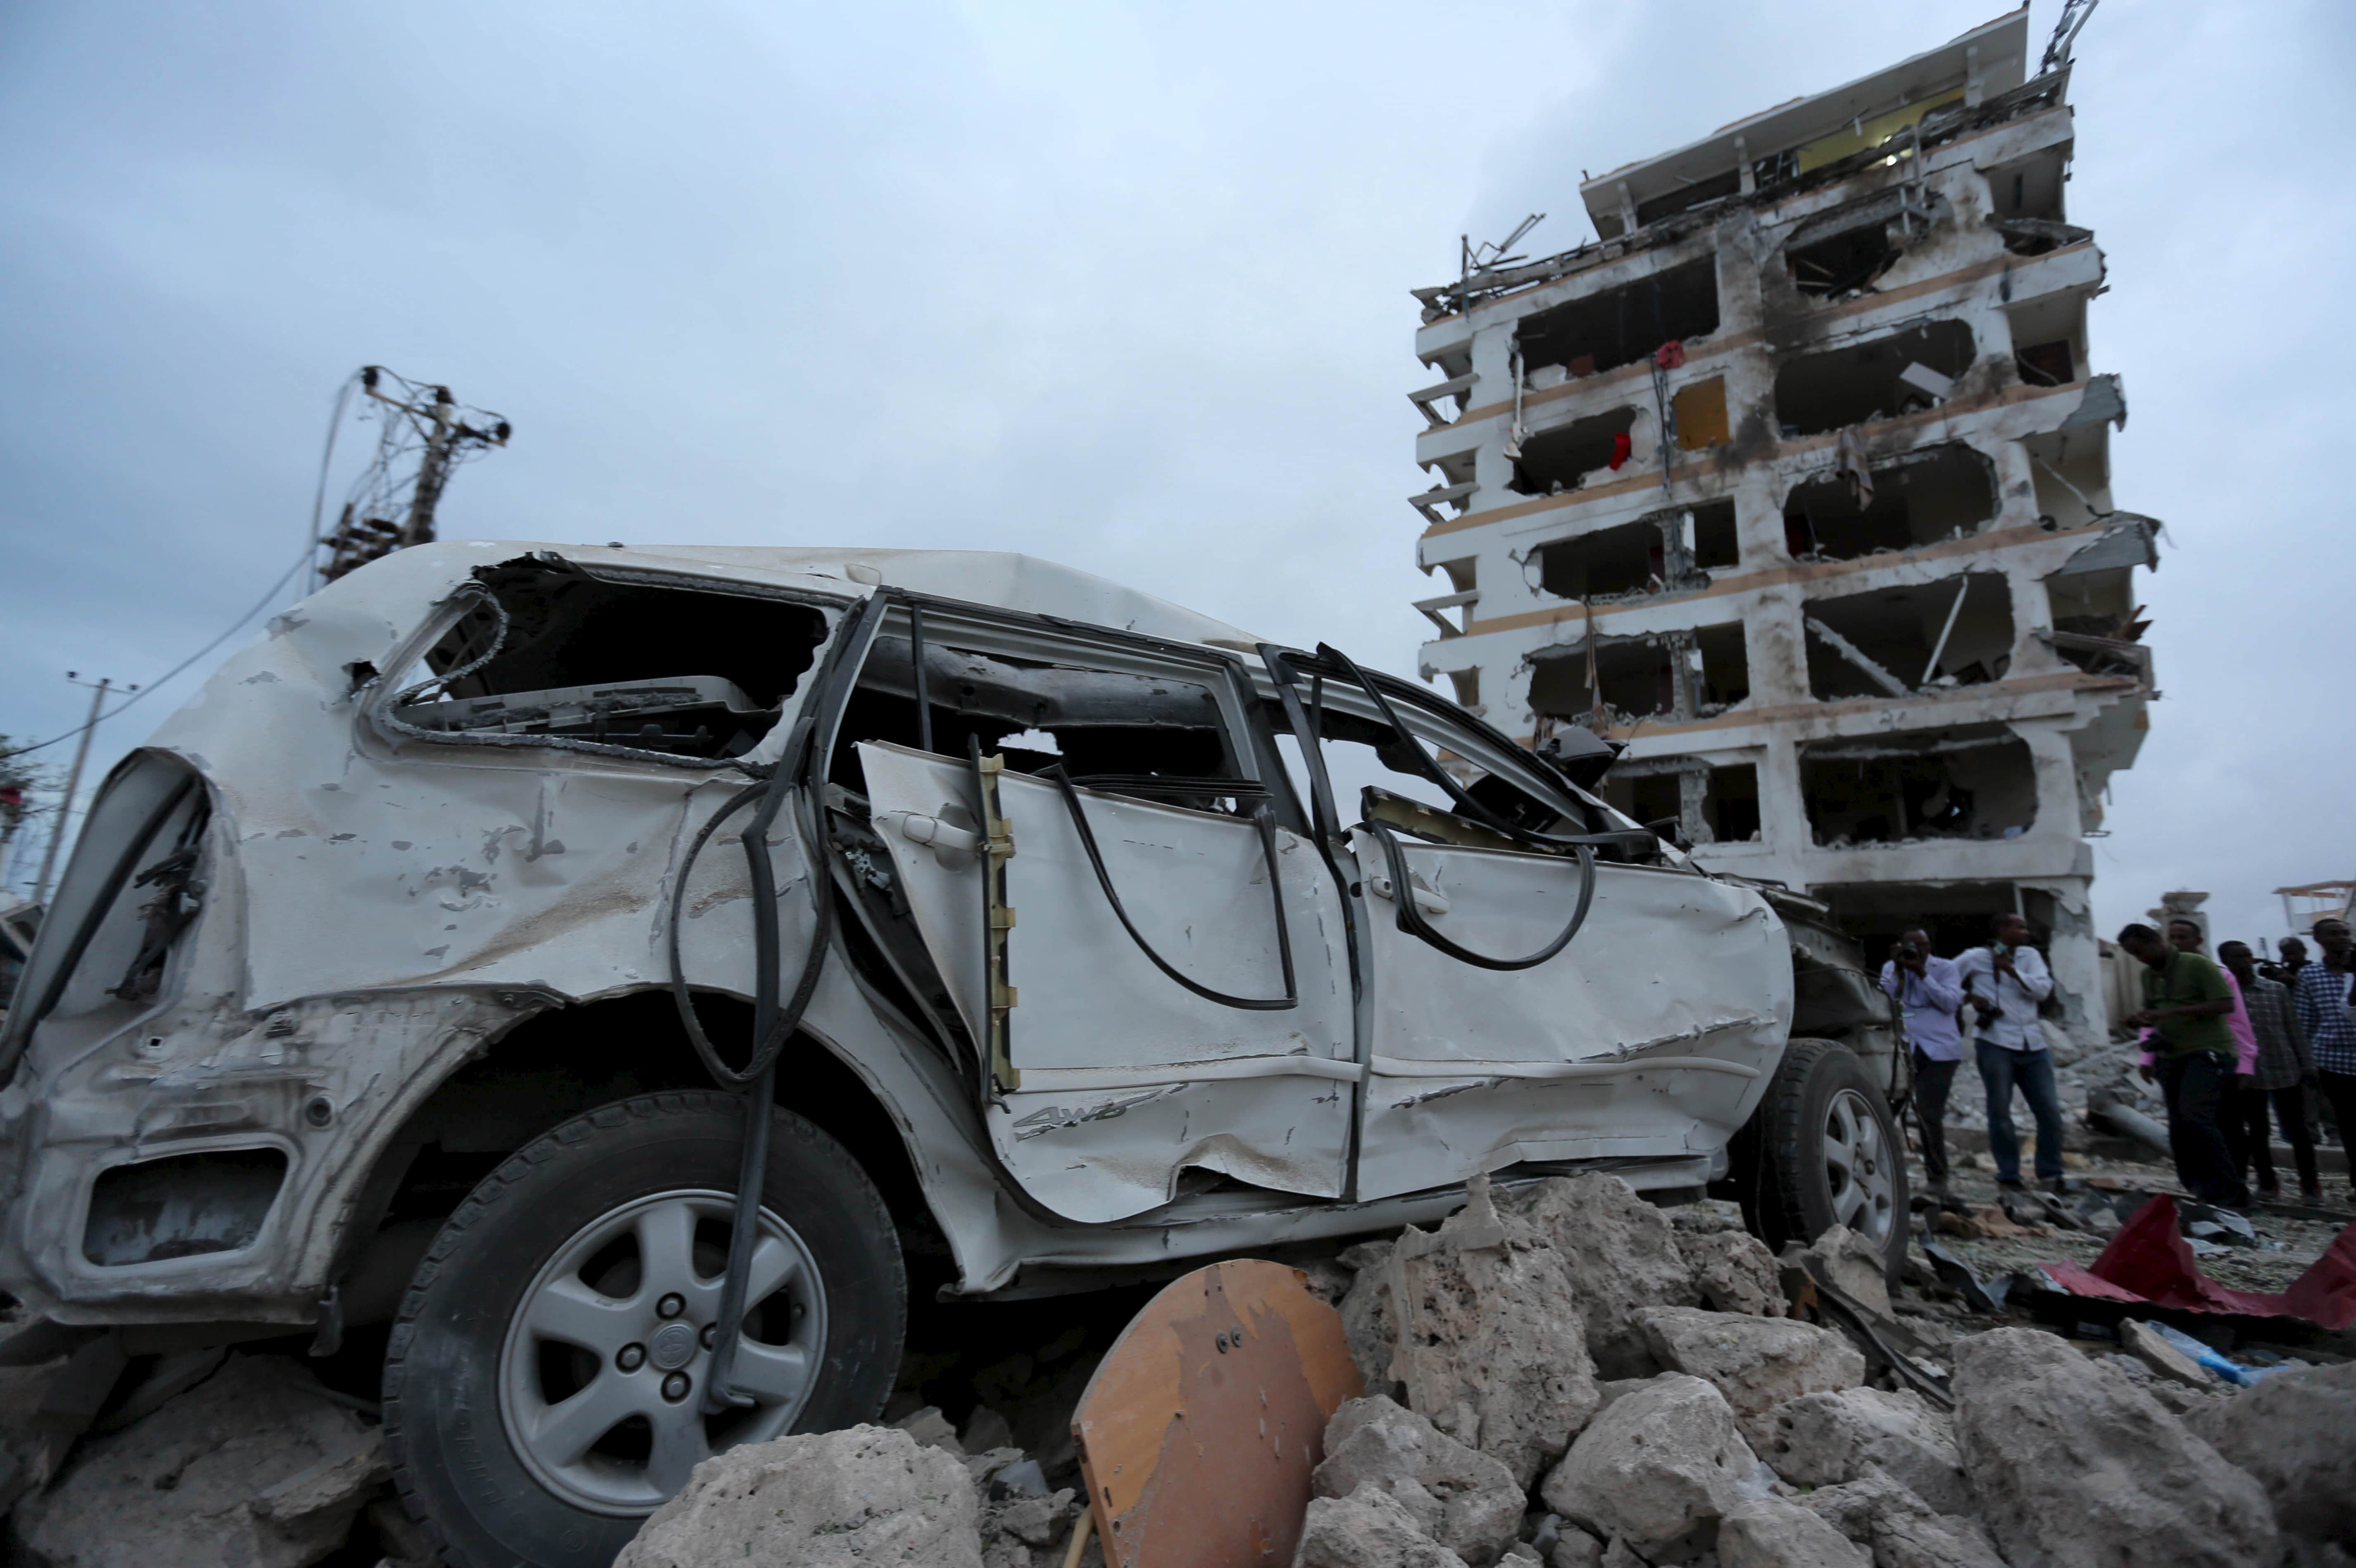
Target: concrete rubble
{"type": "Point", "coordinates": [1462, 1498]}
{"type": "Point", "coordinates": [1489, 1342]}
{"type": "Point", "coordinates": [1489, 1437]}
{"type": "Point", "coordinates": [2068, 1458]}
{"type": "Point", "coordinates": [255, 1465]}
{"type": "Point", "coordinates": [866, 1494]}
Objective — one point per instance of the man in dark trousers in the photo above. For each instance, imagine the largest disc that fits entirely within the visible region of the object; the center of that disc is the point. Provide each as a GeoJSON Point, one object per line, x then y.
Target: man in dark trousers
{"type": "Point", "coordinates": [1927, 987]}
{"type": "Point", "coordinates": [2284, 1068]}
{"type": "Point", "coordinates": [2320, 997]}
{"type": "Point", "coordinates": [2186, 1002]}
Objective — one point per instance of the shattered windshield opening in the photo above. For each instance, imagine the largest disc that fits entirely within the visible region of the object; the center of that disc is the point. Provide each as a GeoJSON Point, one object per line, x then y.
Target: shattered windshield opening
{"type": "Point", "coordinates": [651, 667]}
{"type": "Point", "coordinates": [1105, 728]}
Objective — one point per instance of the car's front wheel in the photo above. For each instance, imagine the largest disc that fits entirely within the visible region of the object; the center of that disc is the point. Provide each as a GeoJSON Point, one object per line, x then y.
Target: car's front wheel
{"type": "Point", "coordinates": [1822, 1150]}
{"type": "Point", "coordinates": [546, 1386]}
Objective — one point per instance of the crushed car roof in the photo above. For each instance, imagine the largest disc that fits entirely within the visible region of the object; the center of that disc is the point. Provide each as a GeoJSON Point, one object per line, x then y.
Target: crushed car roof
{"type": "Point", "coordinates": [1003, 579]}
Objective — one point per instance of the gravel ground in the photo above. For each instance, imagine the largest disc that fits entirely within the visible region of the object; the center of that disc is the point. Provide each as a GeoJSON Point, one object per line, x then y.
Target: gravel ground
{"type": "Point", "coordinates": [2286, 1244]}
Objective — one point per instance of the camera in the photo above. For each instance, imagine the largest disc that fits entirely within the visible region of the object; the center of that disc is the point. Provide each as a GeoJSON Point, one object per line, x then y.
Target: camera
{"type": "Point", "coordinates": [1910, 951]}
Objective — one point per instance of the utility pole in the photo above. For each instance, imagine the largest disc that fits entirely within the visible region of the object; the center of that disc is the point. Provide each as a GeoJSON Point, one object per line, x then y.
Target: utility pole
{"type": "Point", "coordinates": [434, 468]}
{"type": "Point", "coordinates": [64, 823]}
{"type": "Point", "coordinates": [392, 505]}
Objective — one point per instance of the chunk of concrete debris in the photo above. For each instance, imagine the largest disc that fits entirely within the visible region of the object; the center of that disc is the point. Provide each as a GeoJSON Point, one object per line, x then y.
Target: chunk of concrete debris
{"type": "Point", "coordinates": [1756, 1362]}
{"type": "Point", "coordinates": [1365, 1312]}
{"type": "Point", "coordinates": [931, 1428]}
{"type": "Point", "coordinates": [985, 1429]}
{"type": "Point", "coordinates": [2179, 1400]}
{"type": "Point", "coordinates": [1622, 1256]}
{"type": "Point", "coordinates": [1368, 1529]}
{"type": "Point", "coordinates": [2070, 1460]}
{"type": "Point", "coordinates": [1769, 1532]}
{"type": "Point", "coordinates": [1659, 1468]}
{"type": "Point", "coordinates": [1031, 1520]}
{"type": "Point", "coordinates": [1705, 1217]}
{"type": "Point", "coordinates": [2164, 1359]}
{"type": "Point", "coordinates": [1854, 1264]}
{"type": "Point", "coordinates": [1824, 1439]}
{"type": "Point", "coordinates": [1733, 1272]}
{"type": "Point", "coordinates": [2311, 1476]}
{"type": "Point", "coordinates": [1327, 1279]}
{"type": "Point", "coordinates": [254, 1465]}
{"type": "Point", "coordinates": [1463, 1499]}
{"type": "Point", "coordinates": [1491, 1346]}
{"type": "Point", "coordinates": [1899, 1529]}
{"type": "Point", "coordinates": [862, 1495]}
{"type": "Point", "coordinates": [1574, 1548]}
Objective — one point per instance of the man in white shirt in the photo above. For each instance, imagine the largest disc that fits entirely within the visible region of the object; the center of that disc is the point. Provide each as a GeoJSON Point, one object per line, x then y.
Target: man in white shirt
{"type": "Point", "coordinates": [1932, 993]}
{"type": "Point", "coordinates": [2005, 982]}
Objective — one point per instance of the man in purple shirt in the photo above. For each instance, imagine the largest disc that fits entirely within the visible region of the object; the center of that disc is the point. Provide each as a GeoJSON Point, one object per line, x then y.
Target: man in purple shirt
{"type": "Point", "coordinates": [1931, 992]}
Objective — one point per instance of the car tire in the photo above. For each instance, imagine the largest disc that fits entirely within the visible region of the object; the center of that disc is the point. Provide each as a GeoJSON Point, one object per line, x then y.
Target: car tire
{"type": "Point", "coordinates": [1822, 1149]}
{"type": "Point", "coordinates": [614, 1227]}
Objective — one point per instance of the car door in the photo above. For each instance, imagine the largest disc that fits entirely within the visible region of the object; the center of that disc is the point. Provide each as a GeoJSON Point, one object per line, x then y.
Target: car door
{"type": "Point", "coordinates": [1148, 962]}
{"type": "Point", "coordinates": [1647, 1036]}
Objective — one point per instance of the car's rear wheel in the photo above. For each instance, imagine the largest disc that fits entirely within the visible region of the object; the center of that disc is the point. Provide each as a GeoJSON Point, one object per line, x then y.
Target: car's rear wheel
{"type": "Point", "coordinates": [1822, 1150]}
{"type": "Point", "coordinates": [544, 1390]}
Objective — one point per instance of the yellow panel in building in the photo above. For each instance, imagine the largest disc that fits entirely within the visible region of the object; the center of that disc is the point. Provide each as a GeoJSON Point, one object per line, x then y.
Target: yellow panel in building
{"type": "Point", "coordinates": [1869, 134]}
{"type": "Point", "coordinates": [1700, 413]}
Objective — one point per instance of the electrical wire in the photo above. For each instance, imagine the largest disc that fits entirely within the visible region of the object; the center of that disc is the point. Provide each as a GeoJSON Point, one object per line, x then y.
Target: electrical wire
{"type": "Point", "coordinates": [227, 632]}
{"type": "Point", "coordinates": [327, 458]}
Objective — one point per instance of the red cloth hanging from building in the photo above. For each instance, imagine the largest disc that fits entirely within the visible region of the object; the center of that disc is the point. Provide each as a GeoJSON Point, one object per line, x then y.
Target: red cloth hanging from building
{"type": "Point", "coordinates": [1621, 447]}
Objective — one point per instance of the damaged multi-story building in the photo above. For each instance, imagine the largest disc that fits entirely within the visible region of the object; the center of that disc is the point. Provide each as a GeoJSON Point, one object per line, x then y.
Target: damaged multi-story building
{"type": "Point", "coordinates": [1796, 482]}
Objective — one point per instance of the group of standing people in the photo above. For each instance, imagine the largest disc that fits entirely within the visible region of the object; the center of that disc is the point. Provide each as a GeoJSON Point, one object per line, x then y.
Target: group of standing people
{"type": "Point", "coordinates": [2002, 986]}
{"type": "Point", "coordinates": [2234, 1046]}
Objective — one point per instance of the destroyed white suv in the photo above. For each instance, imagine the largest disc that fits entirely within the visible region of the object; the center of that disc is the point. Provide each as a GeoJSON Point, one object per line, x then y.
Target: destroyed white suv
{"type": "Point", "coordinates": [422, 970]}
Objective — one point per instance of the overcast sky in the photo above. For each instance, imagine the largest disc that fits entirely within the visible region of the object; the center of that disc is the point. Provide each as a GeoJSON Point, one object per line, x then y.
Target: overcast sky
{"type": "Point", "coordinates": [1121, 286]}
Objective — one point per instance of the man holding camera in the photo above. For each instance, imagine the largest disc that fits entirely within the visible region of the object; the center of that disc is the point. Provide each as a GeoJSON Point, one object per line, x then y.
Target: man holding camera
{"type": "Point", "coordinates": [1927, 987]}
{"type": "Point", "coordinates": [2006, 982]}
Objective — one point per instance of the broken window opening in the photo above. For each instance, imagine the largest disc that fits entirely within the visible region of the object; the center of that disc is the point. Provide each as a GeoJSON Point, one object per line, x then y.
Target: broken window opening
{"type": "Point", "coordinates": [1676, 675]}
{"type": "Point", "coordinates": [2048, 334]}
{"type": "Point", "coordinates": [1956, 914]}
{"type": "Point", "coordinates": [1909, 637]}
{"type": "Point", "coordinates": [1931, 493]}
{"type": "Point", "coordinates": [2071, 471]}
{"type": "Point", "coordinates": [1613, 327]}
{"type": "Point", "coordinates": [1971, 782]}
{"type": "Point", "coordinates": [1629, 562]}
{"type": "Point", "coordinates": [1108, 728]}
{"type": "Point", "coordinates": [2031, 188]}
{"type": "Point", "coordinates": [1561, 459]}
{"type": "Point", "coordinates": [684, 671]}
{"type": "Point", "coordinates": [1842, 263]}
{"type": "Point", "coordinates": [2097, 624]}
{"type": "Point", "coordinates": [1869, 381]}
{"type": "Point", "coordinates": [1706, 804]}
{"type": "Point", "coordinates": [1714, 541]}
{"type": "Point", "coordinates": [1723, 676]}
{"type": "Point", "coordinates": [1732, 804]}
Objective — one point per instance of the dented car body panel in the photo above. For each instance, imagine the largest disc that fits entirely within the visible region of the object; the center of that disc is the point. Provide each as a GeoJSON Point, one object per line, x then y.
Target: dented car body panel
{"type": "Point", "coordinates": [452, 794]}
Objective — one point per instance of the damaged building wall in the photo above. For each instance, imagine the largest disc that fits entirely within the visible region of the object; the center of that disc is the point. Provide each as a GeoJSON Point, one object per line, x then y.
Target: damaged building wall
{"type": "Point", "coordinates": [1882, 422]}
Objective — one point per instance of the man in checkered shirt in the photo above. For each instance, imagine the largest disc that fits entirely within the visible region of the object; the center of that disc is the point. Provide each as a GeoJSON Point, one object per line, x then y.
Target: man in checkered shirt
{"type": "Point", "coordinates": [2321, 997]}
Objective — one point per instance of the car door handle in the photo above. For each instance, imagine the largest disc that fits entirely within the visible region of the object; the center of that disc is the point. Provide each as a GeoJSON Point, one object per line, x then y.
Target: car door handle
{"type": "Point", "coordinates": [1426, 900]}
{"type": "Point", "coordinates": [918, 828]}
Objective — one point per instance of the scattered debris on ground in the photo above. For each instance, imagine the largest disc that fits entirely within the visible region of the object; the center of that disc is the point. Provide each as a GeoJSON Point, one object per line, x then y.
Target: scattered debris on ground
{"type": "Point", "coordinates": [1567, 1377]}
